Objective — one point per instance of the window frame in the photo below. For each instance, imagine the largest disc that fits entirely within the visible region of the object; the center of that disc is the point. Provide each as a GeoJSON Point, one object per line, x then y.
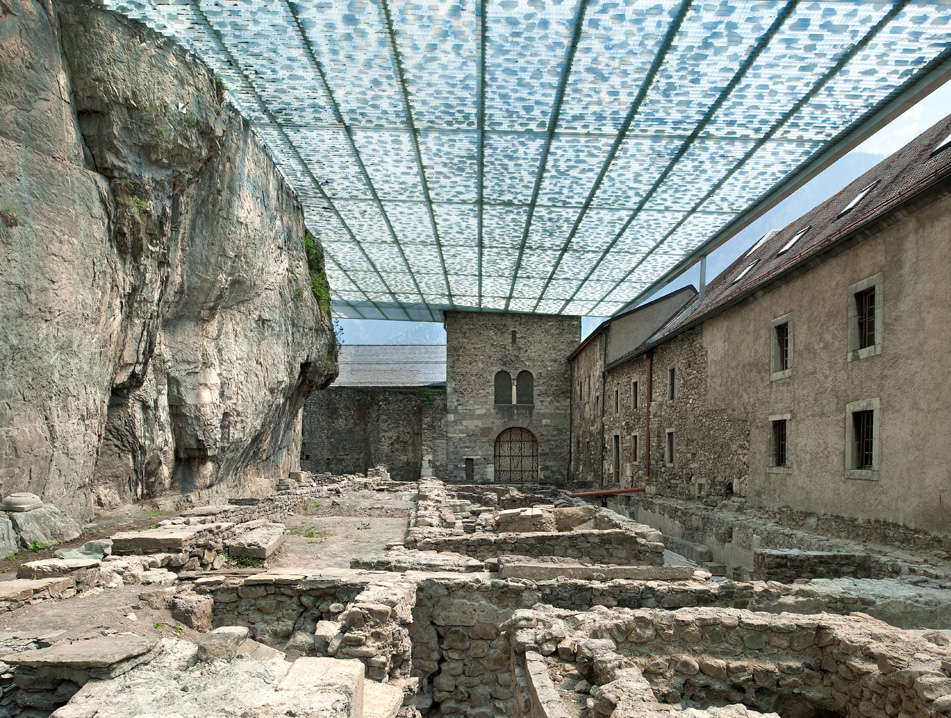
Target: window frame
{"type": "Point", "coordinates": [776, 372]}
{"type": "Point", "coordinates": [772, 467]}
{"type": "Point", "coordinates": [856, 351]}
{"type": "Point", "coordinates": [672, 383]}
{"type": "Point", "coordinates": [670, 448]}
{"type": "Point", "coordinates": [617, 399]}
{"type": "Point", "coordinates": [635, 457]}
{"type": "Point", "coordinates": [495, 389]}
{"type": "Point", "coordinates": [634, 394]}
{"type": "Point", "coordinates": [851, 409]}
{"type": "Point", "coordinates": [520, 388]}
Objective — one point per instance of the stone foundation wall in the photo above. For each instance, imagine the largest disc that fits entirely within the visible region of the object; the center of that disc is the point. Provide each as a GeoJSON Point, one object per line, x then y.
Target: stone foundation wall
{"type": "Point", "coordinates": [733, 533]}
{"type": "Point", "coordinates": [787, 566]}
{"type": "Point", "coordinates": [612, 546]}
{"type": "Point", "coordinates": [795, 665]}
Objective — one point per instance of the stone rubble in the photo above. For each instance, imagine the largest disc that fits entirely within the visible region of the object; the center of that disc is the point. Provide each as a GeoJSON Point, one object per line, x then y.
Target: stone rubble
{"type": "Point", "coordinates": [519, 632]}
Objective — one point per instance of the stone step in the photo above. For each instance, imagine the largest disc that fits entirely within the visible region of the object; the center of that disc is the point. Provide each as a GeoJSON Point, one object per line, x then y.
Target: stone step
{"type": "Point", "coordinates": [164, 539]}
{"type": "Point", "coordinates": [334, 688]}
{"type": "Point", "coordinates": [55, 567]}
{"type": "Point", "coordinates": [261, 542]}
{"type": "Point", "coordinates": [381, 700]}
{"type": "Point", "coordinates": [22, 589]}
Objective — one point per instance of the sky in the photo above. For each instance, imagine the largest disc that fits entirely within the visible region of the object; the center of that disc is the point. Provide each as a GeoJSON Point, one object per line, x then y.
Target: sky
{"type": "Point", "coordinates": [889, 139]}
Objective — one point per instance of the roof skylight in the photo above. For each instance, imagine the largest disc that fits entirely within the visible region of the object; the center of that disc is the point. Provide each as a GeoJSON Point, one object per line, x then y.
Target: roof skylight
{"type": "Point", "coordinates": [554, 157]}
{"type": "Point", "coordinates": [942, 146]}
{"type": "Point", "coordinates": [763, 240]}
{"type": "Point", "coordinates": [745, 271]}
{"type": "Point", "coordinates": [796, 237]}
{"type": "Point", "coordinates": [858, 198]}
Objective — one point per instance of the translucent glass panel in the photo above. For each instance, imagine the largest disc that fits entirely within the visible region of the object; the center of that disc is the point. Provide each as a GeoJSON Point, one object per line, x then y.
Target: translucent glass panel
{"type": "Point", "coordinates": [555, 156]}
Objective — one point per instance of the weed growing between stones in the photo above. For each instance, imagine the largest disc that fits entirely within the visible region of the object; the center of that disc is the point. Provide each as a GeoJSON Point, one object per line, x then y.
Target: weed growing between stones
{"type": "Point", "coordinates": [245, 561]}
{"type": "Point", "coordinates": [38, 546]}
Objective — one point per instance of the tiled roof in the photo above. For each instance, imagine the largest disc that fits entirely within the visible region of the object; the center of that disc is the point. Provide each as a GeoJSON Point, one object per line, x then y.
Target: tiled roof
{"type": "Point", "coordinates": [896, 179]}
{"type": "Point", "coordinates": [392, 365]}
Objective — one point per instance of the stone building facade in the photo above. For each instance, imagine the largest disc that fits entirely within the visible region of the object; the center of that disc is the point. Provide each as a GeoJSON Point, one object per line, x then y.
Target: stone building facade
{"type": "Point", "coordinates": [508, 396]}
{"type": "Point", "coordinates": [597, 402]}
{"type": "Point", "coordinates": [661, 430]}
{"type": "Point", "coordinates": [811, 377]}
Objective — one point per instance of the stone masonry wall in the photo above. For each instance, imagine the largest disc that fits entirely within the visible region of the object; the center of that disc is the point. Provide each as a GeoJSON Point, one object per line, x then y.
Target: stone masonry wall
{"type": "Point", "coordinates": [794, 665]}
{"type": "Point", "coordinates": [611, 546]}
{"type": "Point", "coordinates": [352, 429]}
{"type": "Point", "coordinates": [587, 389]}
{"type": "Point", "coordinates": [710, 447]}
{"type": "Point", "coordinates": [480, 345]}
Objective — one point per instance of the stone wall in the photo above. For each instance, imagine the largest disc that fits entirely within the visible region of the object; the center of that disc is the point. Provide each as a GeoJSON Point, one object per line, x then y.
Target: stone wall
{"type": "Point", "coordinates": [733, 532]}
{"type": "Point", "coordinates": [352, 429]}
{"type": "Point", "coordinates": [587, 432]}
{"type": "Point", "coordinates": [480, 345]}
{"type": "Point", "coordinates": [597, 546]}
{"type": "Point", "coordinates": [710, 447]}
{"type": "Point", "coordinates": [157, 329]}
{"type": "Point", "coordinates": [794, 665]}
{"type": "Point", "coordinates": [788, 566]}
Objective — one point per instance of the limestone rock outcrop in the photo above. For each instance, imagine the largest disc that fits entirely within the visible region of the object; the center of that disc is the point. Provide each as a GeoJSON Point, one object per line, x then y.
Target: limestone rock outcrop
{"type": "Point", "coordinates": [158, 331]}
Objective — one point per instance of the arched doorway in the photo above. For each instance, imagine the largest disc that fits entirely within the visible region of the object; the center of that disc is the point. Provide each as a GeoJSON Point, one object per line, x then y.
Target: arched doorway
{"type": "Point", "coordinates": [516, 456]}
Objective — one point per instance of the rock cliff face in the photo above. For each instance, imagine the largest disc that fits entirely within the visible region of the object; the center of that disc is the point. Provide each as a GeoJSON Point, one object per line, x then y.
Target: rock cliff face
{"type": "Point", "coordinates": [158, 332]}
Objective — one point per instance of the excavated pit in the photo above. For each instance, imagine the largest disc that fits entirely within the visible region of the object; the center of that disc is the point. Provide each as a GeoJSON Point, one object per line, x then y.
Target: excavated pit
{"type": "Point", "coordinates": [544, 607]}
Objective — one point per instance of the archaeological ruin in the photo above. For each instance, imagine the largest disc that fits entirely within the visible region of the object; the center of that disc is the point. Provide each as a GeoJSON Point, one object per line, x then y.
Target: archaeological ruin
{"type": "Point", "coordinates": [724, 501]}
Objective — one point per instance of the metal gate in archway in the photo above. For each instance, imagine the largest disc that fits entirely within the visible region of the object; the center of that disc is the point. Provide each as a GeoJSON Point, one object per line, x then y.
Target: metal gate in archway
{"type": "Point", "coordinates": [516, 456]}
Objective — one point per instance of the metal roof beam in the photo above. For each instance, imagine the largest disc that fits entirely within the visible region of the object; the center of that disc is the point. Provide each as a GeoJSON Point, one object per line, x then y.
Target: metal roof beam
{"type": "Point", "coordinates": [414, 133]}
{"type": "Point", "coordinates": [750, 60]}
{"type": "Point", "coordinates": [550, 135]}
{"type": "Point", "coordinates": [223, 48]}
{"type": "Point", "coordinates": [929, 79]}
{"type": "Point", "coordinates": [318, 68]}
{"type": "Point", "coordinates": [658, 62]}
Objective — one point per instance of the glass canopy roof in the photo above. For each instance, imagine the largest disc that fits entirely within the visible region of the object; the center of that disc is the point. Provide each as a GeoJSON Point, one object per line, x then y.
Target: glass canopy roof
{"type": "Point", "coordinates": [552, 156]}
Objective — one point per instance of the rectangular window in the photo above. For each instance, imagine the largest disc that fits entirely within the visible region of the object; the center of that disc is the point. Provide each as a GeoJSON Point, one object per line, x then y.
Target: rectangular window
{"type": "Point", "coordinates": [672, 383]}
{"type": "Point", "coordinates": [863, 431]}
{"type": "Point", "coordinates": [669, 448]}
{"type": "Point", "coordinates": [782, 343]}
{"type": "Point", "coordinates": [779, 443]}
{"type": "Point", "coordinates": [470, 470]}
{"type": "Point", "coordinates": [634, 394]}
{"type": "Point", "coordinates": [617, 400]}
{"type": "Point", "coordinates": [634, 448]}
{"type": "Point", "coordinates": [865, 318]}
{"type": "Point", "coordinates": [865, 315]}
{"type": "Point", "coordinates": [781, 347]}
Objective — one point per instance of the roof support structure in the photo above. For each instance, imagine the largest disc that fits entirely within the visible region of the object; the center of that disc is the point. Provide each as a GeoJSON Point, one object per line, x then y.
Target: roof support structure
{"type": "Point", "coordinates": [708, 116]}
{"type": "Point", "coordinates": [929, 79]}
{"type": "Point", "coordinates": [550, 136]}
{"type": "Point", "coordinates": [318, 68]}
{"type": "Point", "coordinates": [262, 105]}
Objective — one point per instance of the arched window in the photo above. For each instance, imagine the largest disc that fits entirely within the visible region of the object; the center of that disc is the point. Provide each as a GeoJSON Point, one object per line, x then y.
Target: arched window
{"type": "Point", "coordinates": [525, 388]}
{"type": "Point", "coordinates": [503, 388]}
